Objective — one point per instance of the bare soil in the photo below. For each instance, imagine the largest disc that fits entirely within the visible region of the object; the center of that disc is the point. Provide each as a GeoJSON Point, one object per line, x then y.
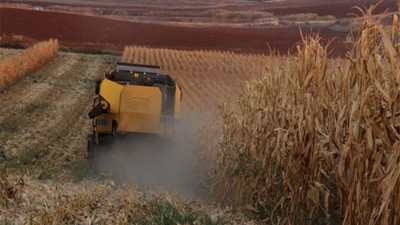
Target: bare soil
{"type": "Point", "coordinates": [101, 33]}
{"type": "Point", "coordinates": [338, 8]}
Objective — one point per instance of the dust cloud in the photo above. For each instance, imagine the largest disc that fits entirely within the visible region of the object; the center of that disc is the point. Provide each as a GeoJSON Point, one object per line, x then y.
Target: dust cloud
{"type": "Point", "coordinates": [152, 161]}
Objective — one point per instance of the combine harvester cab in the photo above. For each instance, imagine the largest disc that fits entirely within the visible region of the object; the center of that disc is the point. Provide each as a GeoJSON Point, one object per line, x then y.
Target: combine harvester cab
{"type": "Point", "coordinates": [133, 98]}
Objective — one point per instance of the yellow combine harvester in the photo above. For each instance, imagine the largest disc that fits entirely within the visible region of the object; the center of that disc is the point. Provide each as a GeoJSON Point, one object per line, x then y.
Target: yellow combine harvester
{"type": "Point", "coordinates": [133, 98]}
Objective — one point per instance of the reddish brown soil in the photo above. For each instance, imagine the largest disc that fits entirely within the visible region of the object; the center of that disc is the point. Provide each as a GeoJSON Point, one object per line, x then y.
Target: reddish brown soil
{"type": "Point", "coordinates": [97, 32]}
{"type": "Point", "coordinates": [337, 8]}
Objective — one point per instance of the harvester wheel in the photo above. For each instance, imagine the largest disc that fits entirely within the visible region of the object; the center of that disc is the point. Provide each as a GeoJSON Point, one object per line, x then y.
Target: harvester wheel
{"type": "Point", "coordinates": [114, 128]}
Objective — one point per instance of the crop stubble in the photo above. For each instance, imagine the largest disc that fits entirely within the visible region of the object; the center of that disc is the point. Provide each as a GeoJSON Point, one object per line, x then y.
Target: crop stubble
{"type": "Point", "coordinates": [47, 110]}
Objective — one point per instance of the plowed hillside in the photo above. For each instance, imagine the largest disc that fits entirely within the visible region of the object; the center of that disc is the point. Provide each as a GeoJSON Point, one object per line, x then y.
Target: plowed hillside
{"type": "Point", "coordinates": [97, 32]}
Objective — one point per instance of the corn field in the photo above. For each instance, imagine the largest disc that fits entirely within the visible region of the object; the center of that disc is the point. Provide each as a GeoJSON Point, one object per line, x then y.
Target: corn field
{"type": "Point", "coordinates": [206, 77]}
{"type": "Point", "coordinates": [313, 141]}
{"type": "Point", "coordinates": [16, 67]}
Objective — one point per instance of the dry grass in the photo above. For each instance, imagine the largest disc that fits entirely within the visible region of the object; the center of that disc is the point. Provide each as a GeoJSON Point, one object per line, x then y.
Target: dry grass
{"type": "Point", "coordinates": [28, 201]}
{"type": "Point", "coordinates": [16, 67]}
{"type": "Point", "coordinates": [311, 142]}
{"type": "Point", "coordinates": [32, 202]}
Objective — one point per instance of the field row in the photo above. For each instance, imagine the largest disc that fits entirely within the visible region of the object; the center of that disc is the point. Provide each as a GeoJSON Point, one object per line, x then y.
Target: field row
{"type": "Point", "coordinates": [206, 77]}
{"type": "Point", "coordinates": [16, 67]}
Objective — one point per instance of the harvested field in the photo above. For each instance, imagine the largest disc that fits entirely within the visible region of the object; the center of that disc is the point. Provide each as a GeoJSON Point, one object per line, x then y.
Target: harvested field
{"type": "Point", "coordinates": [9, 52]}
{"type": "Point", "coordinates": [36, 116]}
{"type": "Point", "coordinates": [95, 32]}
{"type": "Point", "coordinates": [43, 128]}
{"type": "Point", "coordinates": [44, 113]}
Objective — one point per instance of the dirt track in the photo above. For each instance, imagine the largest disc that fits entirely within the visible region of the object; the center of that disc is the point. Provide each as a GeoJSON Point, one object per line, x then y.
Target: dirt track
{"type": "Point", "coordinates": [96, 32]}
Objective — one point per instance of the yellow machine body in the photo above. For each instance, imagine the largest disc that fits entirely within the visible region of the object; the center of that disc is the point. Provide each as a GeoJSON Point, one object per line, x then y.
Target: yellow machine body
{"type": "Point", "coordinates": [135, 108]}
{"type": "Point", "coordinates": [133, 98]}
{"type": "Point", "coordinates": [140, 109]}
